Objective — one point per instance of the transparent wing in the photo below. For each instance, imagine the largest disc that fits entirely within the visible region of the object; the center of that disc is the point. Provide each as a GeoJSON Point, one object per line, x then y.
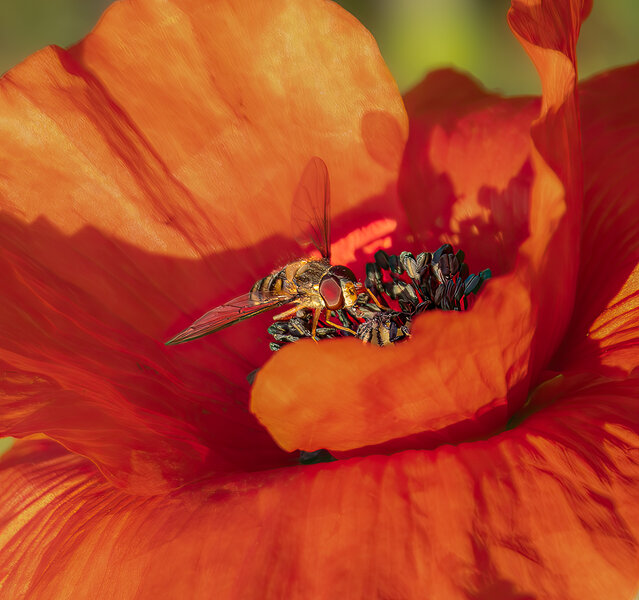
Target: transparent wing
{"type": "Point", "coordinates": [228, 314]}
{"type": "Point", "coordinates": [311, 210]}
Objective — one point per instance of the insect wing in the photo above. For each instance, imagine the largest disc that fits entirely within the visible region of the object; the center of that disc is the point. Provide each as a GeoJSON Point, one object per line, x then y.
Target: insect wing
{"type": "Point", "coordinates": [311, 210]}
{"type": "Point", "coordinates": [238, 309]}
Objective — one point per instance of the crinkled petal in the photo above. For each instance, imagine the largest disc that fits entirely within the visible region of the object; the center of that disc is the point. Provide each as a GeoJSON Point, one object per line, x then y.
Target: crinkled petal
{"type": "Point", "coordinates": [547, 510]}
{"type": "Point", "coordinates": [481, 167]}
{"type": "Point", "coordinates": [467, 169]}
{"type": "Point", "coordinates": [146, 176]}
{"type": "Point", "coordinates": [604, 332]}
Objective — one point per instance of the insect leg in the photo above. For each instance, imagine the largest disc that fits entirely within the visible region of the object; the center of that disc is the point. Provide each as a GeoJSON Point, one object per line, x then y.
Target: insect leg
{"type": "Point", "coordinates": [316, 316]}
{"type": "Point", "coordinates": [374, 298]}
{"type": "Point", "coordinates": [286, 313]}
{"type": "Point", "coordinates": [335, 325]}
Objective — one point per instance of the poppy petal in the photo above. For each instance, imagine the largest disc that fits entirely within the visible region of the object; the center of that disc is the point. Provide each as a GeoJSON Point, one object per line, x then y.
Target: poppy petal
{"type": "Point", "coordinates": [604, 333]}
{"type": "Point", "coordinates": [252, 91]}
{"type": "Point", "coordinates": [125, 217]}
{"type": "Point", "coordinates": [461, 375]}
{"type": "Point", "coordinates": [549, 509]}
{"type": "Point", "coordinates": [467, 169]}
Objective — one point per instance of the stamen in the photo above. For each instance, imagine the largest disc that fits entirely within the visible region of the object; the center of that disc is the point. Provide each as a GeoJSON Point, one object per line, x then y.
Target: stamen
{"type": "Point", "coordinates": [397, 289]}
{"type": "Point", "coordinates": [318, 456]}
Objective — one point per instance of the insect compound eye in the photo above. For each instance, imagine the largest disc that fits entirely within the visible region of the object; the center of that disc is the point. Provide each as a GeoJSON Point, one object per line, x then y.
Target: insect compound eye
{"type": "Point", "coordinates": [331, 292]}
{"type": "Point", "coordinates": [343, 273]}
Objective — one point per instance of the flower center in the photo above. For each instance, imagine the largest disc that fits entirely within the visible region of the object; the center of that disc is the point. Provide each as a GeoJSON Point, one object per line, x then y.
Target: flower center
{"type": "Point", "coordinates": [398, 288]}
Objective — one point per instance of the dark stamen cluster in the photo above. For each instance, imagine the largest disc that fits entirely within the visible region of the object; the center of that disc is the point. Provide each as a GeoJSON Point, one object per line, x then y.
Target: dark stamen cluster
{"type": "Point", "coordinates": [297, 328]}
{"type": "Point", "coordinates": [440, 280]}
{"type": "Point", "coordinates": [399, 288]}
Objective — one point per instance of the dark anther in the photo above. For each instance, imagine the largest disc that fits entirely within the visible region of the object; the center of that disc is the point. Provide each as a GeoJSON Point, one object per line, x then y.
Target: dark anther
{"type": "Point", "coordinates": [423, 260]}
{"type": "Point", "coordinates": [374, 278]}
{"type": "Point", "coordinates": [381, 258]}
{"type": "Point", "coordinates": [384, 328]}
{"type": "Point", "coordinates": [407, 260]}
{"type": "Point", "coordinates": [319, 456]}
{"type": "Point", "coordinates": [285, 337]}
{"type": "Point", "coordinates": [445, 249]}
{"type": "Point", "coordinates": [408, 294]}
{"type": "Point", "coordinates": [439, 295]}
{"type": "Point", "coordinates": [342, 315]}
{"type": "Point", "coordinates": [422, 306]}
{"type": "Point", "coordinates": [426, 287]}
{"type": "Point", "coordinates": [436, 270]}
{"type": "Point", "coordinates": [395, 288]}
{"type": "Point", "coordinates": [450, 294]}
{"type": "Point", "coordinates": [485, 275]}
{"type": "Point", "coordinates": [453, 264]}
{"type": "Point", "coordinates": [324, 332]}
{"type": "Point", "coordinates": [395, 267]}
{"type": "Point", "coordinates": [297, 326]}
{"type": "Point", "coordinates": [402, 287]}
{"type": "Point", "coordinates": [471, 284]}
{"type": "Point", "coordinates": [444, 266]}
{"type": "Point", "coordinates": [251, 376]}
{"type": "Point", "coordinates": [277, 328]}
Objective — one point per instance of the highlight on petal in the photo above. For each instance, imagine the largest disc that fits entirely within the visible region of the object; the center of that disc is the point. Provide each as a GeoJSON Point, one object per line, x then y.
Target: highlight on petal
{"type": "Point", "coordinates": [480, 163]}
{"type": "Point", "coordinates": [570, 470]}
{"type": "Point", "coordinates": [604, 332]}
{"type": "Point", "coordinates": [134, 199]}
{"type": "Point", "coordinates": [252, 90]}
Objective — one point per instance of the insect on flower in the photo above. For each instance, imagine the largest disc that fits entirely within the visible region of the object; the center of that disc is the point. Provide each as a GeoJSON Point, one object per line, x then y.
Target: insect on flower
{"type": "Point", "coordinates": [308, 283]}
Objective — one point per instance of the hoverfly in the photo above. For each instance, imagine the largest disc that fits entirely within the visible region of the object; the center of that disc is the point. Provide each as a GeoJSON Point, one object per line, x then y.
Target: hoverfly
{"type": "Point", "coordinates": [307, 283]}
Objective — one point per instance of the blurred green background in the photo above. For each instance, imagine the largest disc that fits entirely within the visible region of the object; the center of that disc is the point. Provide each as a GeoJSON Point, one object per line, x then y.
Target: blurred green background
{"type": "Point", "coordinates": [415, 36]}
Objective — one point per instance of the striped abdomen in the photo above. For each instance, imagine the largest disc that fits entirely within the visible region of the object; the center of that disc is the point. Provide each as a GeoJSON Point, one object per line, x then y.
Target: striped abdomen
{"type": "Point", "coordinates": [269, 286]}
{"type": "Point", "coordinates": [295, 278]}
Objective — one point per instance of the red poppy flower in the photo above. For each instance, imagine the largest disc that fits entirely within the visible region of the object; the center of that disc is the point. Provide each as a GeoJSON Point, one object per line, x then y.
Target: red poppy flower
{"type": "Point", "coordinates": [146, 175]}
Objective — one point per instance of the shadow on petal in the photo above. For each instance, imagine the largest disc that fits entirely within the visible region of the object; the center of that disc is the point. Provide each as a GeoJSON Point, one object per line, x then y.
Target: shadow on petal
{"type": "Point", "coordinates": [466, 172]}
{"type": "Point", "coordinates": [84, 321]}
